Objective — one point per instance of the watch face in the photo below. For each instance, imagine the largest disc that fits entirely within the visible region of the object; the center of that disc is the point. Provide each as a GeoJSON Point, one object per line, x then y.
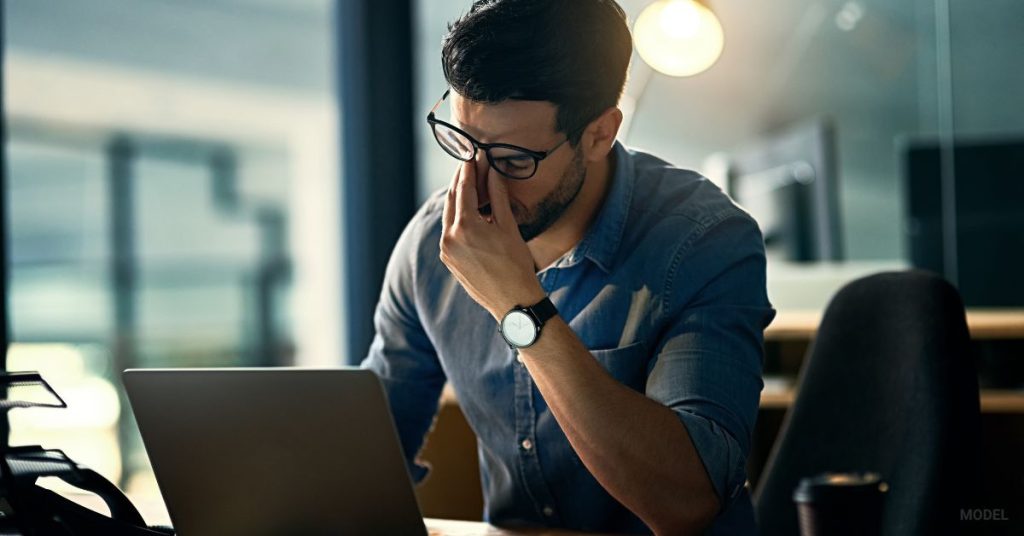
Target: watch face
{"type": "Point", "coordinates": [519, 329]}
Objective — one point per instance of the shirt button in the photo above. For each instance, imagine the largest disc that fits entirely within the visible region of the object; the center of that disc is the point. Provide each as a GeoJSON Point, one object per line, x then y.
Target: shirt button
{"type": "Point", "coordinates": [527, 444]}
{"type": "Point", "coordinates": [549, 511]}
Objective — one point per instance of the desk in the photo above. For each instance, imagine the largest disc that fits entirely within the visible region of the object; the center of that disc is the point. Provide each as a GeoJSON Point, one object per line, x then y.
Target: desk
{"type": "Point", "coordinates": [155, 513]}
{"type": "Point", "coordinates": [441, 527]}
{"type": "Point", "coordinates": [984, 324]}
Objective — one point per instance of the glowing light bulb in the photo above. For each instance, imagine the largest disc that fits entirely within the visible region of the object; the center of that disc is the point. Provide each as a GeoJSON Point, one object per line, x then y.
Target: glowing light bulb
{"type": "Point", "coordinates": [678, 37]}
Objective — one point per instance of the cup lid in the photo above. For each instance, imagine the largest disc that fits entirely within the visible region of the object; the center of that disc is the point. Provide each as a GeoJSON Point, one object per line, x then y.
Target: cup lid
{"type": "Point", "coordinates": [847, 485]}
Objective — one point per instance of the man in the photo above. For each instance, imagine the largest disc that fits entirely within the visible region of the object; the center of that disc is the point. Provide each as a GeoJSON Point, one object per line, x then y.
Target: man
{"type": "Point", "coordinates": [598, 312]}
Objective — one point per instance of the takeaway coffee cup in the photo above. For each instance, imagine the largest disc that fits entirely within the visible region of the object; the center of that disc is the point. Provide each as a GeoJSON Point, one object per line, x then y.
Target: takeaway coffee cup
{"type": "Point", "coordinates": [841, 504]}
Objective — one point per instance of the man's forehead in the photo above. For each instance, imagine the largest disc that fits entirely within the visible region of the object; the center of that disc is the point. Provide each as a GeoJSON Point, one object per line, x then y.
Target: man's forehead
{"type": "Point", "coordinates": [491, 122]}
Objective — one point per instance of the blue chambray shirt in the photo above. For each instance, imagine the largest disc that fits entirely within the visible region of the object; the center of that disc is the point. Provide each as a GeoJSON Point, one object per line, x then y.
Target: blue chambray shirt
{"type": "Point", "coordinates": [667, 290]}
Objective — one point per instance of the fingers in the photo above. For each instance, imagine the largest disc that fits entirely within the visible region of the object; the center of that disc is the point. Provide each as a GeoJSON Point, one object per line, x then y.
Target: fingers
{"type": "Point", "coordinates": [501, 207]}
{"type": "Point", "coordinates": [465, 193]}
{"type": "Point", "coordinates": [448, 216]}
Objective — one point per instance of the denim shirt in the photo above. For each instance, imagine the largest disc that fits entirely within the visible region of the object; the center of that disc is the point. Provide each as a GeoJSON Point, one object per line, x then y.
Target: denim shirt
{"type": "Point", "coordinates": [667, 290]}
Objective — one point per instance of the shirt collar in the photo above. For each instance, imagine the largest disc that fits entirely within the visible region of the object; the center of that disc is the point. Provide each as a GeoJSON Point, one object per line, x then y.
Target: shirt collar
{"type": "Point", "coordinates": [602, 239]}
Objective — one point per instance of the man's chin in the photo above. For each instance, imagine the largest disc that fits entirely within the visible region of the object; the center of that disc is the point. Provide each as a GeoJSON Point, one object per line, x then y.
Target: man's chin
{"type": "Point", "coordinates": [531, 230]}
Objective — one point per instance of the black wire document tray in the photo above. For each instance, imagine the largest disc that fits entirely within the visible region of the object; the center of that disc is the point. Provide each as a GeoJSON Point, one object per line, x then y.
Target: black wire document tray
{"type": "Point", "coordinates": [27, 390]}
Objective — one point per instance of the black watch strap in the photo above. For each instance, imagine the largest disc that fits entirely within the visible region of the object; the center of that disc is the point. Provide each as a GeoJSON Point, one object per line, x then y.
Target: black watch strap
{"type": "Point", "coordinates": [542, 311]}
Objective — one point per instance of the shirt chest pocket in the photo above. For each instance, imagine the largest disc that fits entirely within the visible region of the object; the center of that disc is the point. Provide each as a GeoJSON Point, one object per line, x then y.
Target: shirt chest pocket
{"type": "Point", "coordinates": [627, 364]}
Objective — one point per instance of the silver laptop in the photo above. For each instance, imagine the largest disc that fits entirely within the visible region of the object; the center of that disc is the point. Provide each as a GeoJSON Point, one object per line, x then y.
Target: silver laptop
{"type": "Point", "coordinates": [274, 451]}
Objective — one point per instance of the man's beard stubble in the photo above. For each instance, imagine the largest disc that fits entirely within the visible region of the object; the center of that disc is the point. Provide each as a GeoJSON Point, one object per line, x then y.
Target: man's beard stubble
{"type": "Point", "coordinates": [555, 204]}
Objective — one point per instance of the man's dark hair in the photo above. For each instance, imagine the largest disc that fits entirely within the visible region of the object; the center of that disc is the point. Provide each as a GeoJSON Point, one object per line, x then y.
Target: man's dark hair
{"type": "Point", "coordinates": [573, 53]}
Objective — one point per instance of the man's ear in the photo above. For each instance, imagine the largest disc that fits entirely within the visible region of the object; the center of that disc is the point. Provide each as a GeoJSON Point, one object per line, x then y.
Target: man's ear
{"type": "Point", "coordinates": [599, 136]}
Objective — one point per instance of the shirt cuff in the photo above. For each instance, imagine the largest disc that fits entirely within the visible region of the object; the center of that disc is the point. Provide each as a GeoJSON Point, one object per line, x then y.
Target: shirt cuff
{"type": "Point", "coordinates": [723, 459]}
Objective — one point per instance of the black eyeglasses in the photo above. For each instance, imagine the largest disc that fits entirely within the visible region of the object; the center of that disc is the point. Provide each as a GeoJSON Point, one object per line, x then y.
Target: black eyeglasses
{"type": "Point", "coordinates": [509, 160]}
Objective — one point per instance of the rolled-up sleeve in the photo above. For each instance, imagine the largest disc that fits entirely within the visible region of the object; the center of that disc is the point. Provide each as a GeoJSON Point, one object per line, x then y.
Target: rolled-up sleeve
{"type": "Point", "coordinates": [402, 355]}
{"type": "Point", "coordinates": [708, 362]}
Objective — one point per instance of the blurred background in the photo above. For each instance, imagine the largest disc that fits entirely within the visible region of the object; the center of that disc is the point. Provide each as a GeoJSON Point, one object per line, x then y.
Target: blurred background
{"type": "Point", "coordinates": [219, 182]}
{"type": "Point", "coordinates": [172, 197]}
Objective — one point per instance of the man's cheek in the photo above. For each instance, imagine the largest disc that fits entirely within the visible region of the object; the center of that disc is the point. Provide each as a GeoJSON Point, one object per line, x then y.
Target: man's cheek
{"type": "Point", "coordinates": [518, 210]}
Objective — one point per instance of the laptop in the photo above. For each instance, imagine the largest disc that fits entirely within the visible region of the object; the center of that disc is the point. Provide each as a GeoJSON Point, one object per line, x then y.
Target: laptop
{"type": "Point", "coordinates": [259, 451]}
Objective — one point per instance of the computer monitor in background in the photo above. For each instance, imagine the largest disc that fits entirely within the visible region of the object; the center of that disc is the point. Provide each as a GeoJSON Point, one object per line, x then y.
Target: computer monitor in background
{"type": "Point", "coordinates": [788, 182]}
{"type": "Point", "coordinates": [986, 248]}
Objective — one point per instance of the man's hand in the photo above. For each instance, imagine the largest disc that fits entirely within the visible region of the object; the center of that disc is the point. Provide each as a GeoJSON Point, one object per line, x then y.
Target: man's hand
{"type": "Point", "coordinates": [487, 255]}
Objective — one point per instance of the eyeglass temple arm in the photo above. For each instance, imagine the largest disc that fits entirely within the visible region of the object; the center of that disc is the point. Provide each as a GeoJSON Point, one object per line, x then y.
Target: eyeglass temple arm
{"type": "Point", "coordinates": [439, 101]}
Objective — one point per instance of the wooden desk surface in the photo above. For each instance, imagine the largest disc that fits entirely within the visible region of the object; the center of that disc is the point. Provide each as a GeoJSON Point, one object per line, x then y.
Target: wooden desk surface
{"type": "Point", "coordinates": [983, 324]}
{"type": "Point", "coordinates": [155, 513]}
{"type": "Point", "coordinates": [443, 527]}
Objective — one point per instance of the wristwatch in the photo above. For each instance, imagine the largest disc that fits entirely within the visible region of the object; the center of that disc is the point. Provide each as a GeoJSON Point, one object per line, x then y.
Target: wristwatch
{"type": "Point", "coordinates": [521, 326]}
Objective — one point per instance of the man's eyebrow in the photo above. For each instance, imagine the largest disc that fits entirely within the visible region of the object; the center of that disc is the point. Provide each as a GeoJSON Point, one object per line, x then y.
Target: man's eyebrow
{"type": "Point", "coordinates": [485, 137]}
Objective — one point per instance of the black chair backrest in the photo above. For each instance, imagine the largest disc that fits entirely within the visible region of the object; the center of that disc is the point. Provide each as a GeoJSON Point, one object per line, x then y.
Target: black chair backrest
{"type": "Point", "coordinates": [888, 386]}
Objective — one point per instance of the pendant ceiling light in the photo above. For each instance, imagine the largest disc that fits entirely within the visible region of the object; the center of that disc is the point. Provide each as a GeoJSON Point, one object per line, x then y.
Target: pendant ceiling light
{"type": "Point", "coordinates": [678, 37]}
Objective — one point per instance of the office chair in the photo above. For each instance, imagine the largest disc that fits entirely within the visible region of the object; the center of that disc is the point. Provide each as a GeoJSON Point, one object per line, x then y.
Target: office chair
{"type": "Point", "coordinates": [887, 386]}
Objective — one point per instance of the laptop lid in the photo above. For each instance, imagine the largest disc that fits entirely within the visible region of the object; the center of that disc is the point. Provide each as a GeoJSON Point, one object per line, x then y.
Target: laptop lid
{"type": "Point", "coordinates": [274, 451]}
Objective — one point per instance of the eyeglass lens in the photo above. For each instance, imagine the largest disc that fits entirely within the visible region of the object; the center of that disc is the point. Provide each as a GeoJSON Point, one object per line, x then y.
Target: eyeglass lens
{"type": "Point", "coordinates": [507, 161]}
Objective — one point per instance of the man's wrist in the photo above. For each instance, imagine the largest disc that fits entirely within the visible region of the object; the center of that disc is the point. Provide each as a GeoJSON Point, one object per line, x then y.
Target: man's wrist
{"type": "Point", "coordinates": [522, 299]}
